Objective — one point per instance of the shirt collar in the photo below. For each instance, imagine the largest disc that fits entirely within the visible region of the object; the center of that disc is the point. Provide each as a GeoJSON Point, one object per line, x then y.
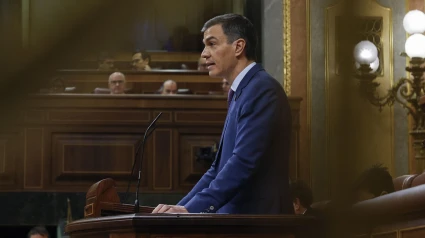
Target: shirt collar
{"type": "Point", "coordinates": [240, 76]}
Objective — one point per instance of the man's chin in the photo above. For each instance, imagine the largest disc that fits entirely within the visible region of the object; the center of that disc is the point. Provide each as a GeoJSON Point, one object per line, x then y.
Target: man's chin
{"type": "Point", "coordinates": [214, 74]}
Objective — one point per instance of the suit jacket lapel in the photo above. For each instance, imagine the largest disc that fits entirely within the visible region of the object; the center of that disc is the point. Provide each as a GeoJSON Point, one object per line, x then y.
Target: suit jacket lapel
{"type": "Point", "coordinates": [246, 80]}
{"type": "Point", "coordinates": [243, 83]}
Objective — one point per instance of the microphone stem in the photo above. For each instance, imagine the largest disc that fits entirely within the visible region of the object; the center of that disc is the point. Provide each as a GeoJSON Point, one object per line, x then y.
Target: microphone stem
{"type": "Point", "coordinates": [136, 203]}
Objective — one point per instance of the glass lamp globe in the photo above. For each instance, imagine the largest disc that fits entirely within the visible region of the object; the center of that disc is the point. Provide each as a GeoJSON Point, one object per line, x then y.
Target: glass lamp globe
{"type": "Point", "coordinates": [374, 65]}
{"type": "Point", "coordinates": [414, 22]}
{"type": "Point", "coordinates": [365, 52]}
{"type": "Point", "coordinates": [415, 46]}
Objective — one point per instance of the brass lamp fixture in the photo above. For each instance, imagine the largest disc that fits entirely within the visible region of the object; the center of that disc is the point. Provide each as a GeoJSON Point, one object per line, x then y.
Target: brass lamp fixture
{"type": "Point", "coordinates": [406, 91]}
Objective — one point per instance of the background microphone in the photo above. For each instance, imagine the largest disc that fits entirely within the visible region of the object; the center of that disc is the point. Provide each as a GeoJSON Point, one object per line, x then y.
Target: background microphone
{"type": "Point", "coordinates": [140, 145]}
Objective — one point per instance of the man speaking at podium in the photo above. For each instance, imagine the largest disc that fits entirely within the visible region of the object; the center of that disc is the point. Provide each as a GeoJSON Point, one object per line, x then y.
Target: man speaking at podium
{"type": "Point", "coordinates": [250, 172]}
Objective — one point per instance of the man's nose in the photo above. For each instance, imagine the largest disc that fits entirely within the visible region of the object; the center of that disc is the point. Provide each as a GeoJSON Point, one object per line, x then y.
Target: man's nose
{"type": "Point", "coordinates": [205, 53]}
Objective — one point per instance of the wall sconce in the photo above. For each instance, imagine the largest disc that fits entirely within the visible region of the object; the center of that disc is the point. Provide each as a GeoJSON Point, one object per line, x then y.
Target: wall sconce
{"type": "Point", "coordinates": [406, 91]}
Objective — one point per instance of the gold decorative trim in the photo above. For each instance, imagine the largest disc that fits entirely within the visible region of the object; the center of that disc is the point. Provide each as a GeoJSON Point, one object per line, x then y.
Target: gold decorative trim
{"type": "Point", "coordinates": [309, 106]}
{"type": "Point", "coordinates": [327, 102]}
{"type": "Point", "coordinates": [287, 46]}
{"type": "Point", "coordinates": [410, 150]}
{"type": "Point", "coordinates": [391, 77]}
{"type": "Point", "coordinates": [88, 212]}
{"type": "Point", "coordinates": [25, 23]}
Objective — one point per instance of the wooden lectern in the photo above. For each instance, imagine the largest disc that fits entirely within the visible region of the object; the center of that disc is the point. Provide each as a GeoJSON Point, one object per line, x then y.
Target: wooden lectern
{"type": "Point", "coordinates": [102, 200]}
{"type": "Point", "coordinates": [103, 205]}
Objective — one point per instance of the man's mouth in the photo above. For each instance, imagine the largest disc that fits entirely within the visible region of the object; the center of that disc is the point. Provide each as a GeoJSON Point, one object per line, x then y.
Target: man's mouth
{"type": "Point", "coordinates": [209, 64]}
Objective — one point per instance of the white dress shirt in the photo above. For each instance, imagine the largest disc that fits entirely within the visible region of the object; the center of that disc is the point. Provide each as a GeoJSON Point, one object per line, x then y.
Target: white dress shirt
{"type": "Point", "coordinates": [240, 76]}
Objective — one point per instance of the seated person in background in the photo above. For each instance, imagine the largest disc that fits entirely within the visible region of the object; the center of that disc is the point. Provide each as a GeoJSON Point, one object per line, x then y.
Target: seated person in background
{"type": "Point", "coordinates": [302, 198]}
{"type": "Point", "coordinates": [202, 64]}
{"type": "Point", "coordinates": [105, 62]}
{"type": "Point", "coordinates": [225, 86]}
{"type": "Point", "coordinates": [168, 87]}
{"type": "Point", "coordinates": [141, 60]}
{"type": "Point", "coordinates": [117, 83]}
{"type": "Point", "coordinates": [373, 182]}
{"type": "Point", "coordinates": [38, 232]}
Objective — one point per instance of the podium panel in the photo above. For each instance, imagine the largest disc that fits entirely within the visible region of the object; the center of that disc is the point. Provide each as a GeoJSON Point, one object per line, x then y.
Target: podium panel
{"type": "Point", "coordinates": [193, 226]}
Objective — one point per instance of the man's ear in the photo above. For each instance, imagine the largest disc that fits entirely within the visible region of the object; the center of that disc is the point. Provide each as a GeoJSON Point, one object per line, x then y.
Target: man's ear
{"type": "Point", "coordinates": [239, 46]}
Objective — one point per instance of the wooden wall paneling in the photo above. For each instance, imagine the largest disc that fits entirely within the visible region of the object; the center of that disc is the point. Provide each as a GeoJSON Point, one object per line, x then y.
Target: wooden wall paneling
{"type": "Point", "coordinates": [10, 160]}
{"type": "Point", "coordinates": [295, 164]}
{"type": "Point", "coordinates": [95, 116]}
{"type": "Point", "coordinates": [91, 137]}
{"type": "Point", "coordinates": [84, 157]}
{"type": "Point", "coordinates": [162, 159]}
{"type": "Point", "coordinates": [33, 158]}
{"type": "Point", "coordinates": [414, 232]}
{"type": "Point", "coordinates": [130, 102]}
{"type": "Point", "coordinates": [176, 159]}
{"type": "Point", "coordinates": [392, 234]}
{"type": "Point", "coordinates": [200, 117]}
{"type": "Point", "coordinates": [191, 169]}
{"type": "Point", "coordinates": [48, 157]}
{"type": "Point", "coordinates": [166, 117]}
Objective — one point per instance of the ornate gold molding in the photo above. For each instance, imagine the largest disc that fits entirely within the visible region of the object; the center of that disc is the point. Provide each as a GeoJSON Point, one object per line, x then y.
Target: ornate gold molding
{"type": "Point", "coordinates": [382, 140]}
{"type": "Point", "coordinates": [287, 46]}
{"type": "Point", "coordinates": [309, 88]}
{"type": "Point", "coordinates": [25, 23]}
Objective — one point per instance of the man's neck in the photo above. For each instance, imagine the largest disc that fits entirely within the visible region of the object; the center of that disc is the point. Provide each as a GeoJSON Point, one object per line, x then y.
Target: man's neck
{"type": "Point", "coordinates": [241, 65]}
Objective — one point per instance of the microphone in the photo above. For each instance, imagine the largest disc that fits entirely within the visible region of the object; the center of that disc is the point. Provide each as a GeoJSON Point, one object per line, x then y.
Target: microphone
{"type": "Point", "coordinates": [141, 146]}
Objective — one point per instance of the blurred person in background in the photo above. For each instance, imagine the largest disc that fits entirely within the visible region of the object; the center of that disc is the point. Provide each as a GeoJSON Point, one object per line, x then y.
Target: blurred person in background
{"type": "Point", "coordinates": [117, 83]}
{"type": "Point", "coordinates": [141, 60]}
{"type": "Point", "coordinates": [105, 62]}
{"type": "Point", "coordinates": [38, 232]}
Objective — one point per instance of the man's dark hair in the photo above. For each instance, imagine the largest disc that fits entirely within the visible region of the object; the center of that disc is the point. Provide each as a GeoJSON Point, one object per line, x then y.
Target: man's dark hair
{"type": "Point", "coordinates": [236, 27]}
{"type": "Point", "coordinates": [104, 56]}
{"type": "Point", "coordinates": [144, 53]}
{"type": "Point", "coordinates": [38, 230]}
{"type": "Point", "coordinates": [375, 180]}
{"type": "Point", "coordinates": [300, 190]}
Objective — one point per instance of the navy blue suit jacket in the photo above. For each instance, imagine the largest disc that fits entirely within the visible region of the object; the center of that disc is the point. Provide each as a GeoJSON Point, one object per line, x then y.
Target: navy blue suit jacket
{"type": "Point", "coordinates": [250, 172]}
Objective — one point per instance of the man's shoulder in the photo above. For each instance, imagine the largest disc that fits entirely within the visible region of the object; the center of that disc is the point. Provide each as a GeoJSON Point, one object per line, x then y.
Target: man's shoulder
{"type": "Point", "coordinates": [264, 81]}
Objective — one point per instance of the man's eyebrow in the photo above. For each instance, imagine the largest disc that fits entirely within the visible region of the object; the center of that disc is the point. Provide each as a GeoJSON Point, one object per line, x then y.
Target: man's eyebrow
{"type": "Point", "coordinates": [210, 38]}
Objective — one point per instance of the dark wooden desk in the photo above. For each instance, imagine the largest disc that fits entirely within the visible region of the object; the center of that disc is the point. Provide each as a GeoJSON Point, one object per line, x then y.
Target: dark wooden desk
{"type": "Point", "coordinates": [86, 81]}
{"type": "Point", "coordinates": [67, 142]}
{"type": "Point", "coordinates": [193, 226]}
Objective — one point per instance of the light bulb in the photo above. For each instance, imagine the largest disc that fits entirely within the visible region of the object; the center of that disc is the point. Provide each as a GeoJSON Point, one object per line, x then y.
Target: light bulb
{"type": "Point", "coordinates": [414, 22]}
{"type": "Point", "coordinates": [415, 46]}
{"type": "Point", "coordinates": [365, 52]}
